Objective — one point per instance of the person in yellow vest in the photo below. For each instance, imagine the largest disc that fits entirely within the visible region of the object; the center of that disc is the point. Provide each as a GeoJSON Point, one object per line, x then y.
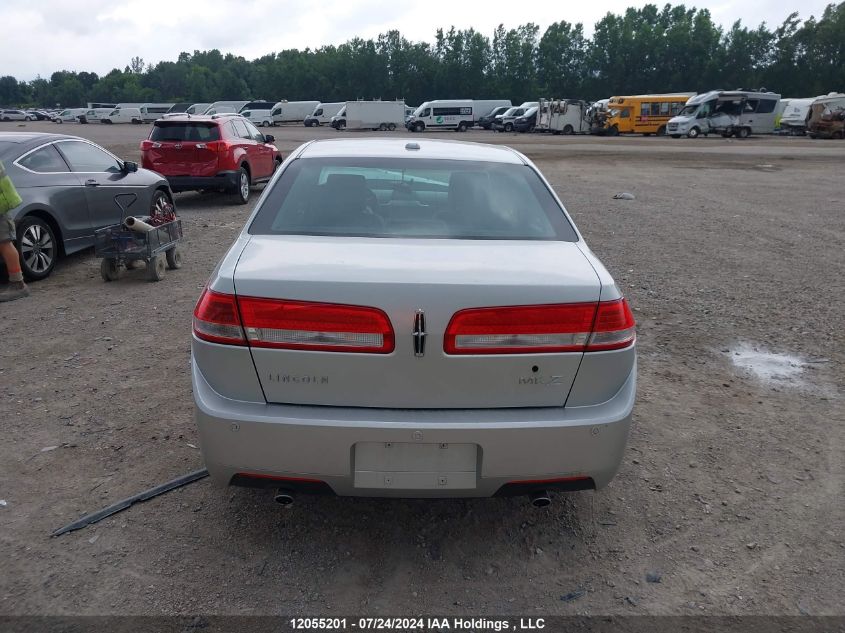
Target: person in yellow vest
{"type": "Point", "coordinates": [9, 199]}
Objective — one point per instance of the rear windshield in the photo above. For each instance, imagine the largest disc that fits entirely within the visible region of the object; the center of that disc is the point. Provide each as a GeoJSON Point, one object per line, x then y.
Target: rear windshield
{"type": "Point", "coordinates": [418, 198]}
{"type": "Point", "coordinates": [185, 131]}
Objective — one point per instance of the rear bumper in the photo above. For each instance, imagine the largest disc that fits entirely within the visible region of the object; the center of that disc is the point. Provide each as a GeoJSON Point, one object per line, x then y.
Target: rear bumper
{"type": "Point", "coordinates": [221, 180]}
{"type": "Point", "coordinates": [515, 447]}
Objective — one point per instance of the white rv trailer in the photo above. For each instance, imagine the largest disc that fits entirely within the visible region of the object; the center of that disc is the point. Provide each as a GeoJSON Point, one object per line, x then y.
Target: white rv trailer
{"type": "Point", "coordinates": [451, 114]}
{"type": "Point", "coordinates": [323, 113]}
{"type": "Point", "coordinates": [563, 116]}
{"type": "Point", "coordinates": [292, 111]}
{"type": "Point", "coordinates": [737, 113]}
{"type": "Point", "coordinates": [370, 115]}
{"type": "Point", "coordinates": [794, 117]}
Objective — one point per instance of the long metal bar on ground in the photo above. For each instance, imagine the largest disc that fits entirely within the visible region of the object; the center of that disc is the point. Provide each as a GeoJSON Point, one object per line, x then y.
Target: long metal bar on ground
{"type": "Point", "coordinates": [94, 517]}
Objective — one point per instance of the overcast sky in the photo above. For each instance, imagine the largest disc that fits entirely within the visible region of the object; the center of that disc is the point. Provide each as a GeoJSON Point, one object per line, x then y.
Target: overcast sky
{"type": "Point", "coordinates": [98, 35]}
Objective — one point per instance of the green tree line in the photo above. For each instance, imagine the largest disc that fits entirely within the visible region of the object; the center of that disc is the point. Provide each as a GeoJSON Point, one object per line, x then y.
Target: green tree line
{"type": "Point", "coordinates": [651, 49]}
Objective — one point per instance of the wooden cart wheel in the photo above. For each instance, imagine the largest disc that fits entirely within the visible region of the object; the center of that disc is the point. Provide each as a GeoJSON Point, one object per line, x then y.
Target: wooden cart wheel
{"type": "Point", "coordinates": [155, 268]}
{"type": "Point", "coordinates": [174, 258]}
{"type": "Point", "coordinates": [109, 269]}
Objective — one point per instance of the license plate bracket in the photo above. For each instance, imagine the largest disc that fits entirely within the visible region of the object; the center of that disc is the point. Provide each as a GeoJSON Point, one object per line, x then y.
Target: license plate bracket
{"type": "Point", "coordinates": [415, 466]}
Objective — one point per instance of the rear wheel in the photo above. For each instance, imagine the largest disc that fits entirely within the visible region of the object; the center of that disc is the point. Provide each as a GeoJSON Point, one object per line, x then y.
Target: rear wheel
{"type": "Point", "coordinates": [838, 135]}
{"type": "Point", "coordinates": [174, 258]}
{"type": "Point", "coordinates": [155, 268]}
{"type": "Point", "coordinates": [462, 126]}
{"type": "Point", "coordinates": [661, 131]}
{"type": "Point", "coordinates": [265, 123]}
{"type": "Point", "coordinates": [242, 191]}
{"type": "Point", "coordinates": [110, 269]}
{"type": "Point", "coordinates": [382, 127]}
{"type": "Point", "coordinates": [391, 126]}
{"type": "Point", "coordinates": [743, 132]}
{"type": "Point", "coordinates": [568, 129]}
{"type": "Point", "coordinates": [37, 246]}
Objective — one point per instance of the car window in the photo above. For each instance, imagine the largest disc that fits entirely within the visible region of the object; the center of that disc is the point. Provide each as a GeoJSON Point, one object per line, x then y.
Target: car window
{"type": "Point", "coordinates": [253, 132]}
{"type": "Point", "coordinates": [240, 129]}
{"type": "Point", "coordinates": [200, 132]}
{"type": "Point", "coordinates": [44, 160]}
{"type": "Point", "coordinates": [84, 157]}
{"type": "Point", "coordinates": [397, 197]}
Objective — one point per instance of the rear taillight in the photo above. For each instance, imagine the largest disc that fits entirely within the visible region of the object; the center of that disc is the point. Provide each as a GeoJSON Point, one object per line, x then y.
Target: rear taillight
{"type": "Point", "coordinates": [327, 327]}
{"type": "Point", "coordinates": [614, 328]}
{"type": "Point", "coordinates": [555, 328]}
{"type": "Point", "coordinates": [212, 146]}
{"type": "Point", "coordinates": [148, 145]}
{"type": "Point", "coordinates": [216, 319]}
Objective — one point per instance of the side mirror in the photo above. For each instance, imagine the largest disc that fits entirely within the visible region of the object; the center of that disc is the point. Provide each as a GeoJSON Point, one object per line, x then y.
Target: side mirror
{"type": "Point", "coordinates": [129, 167]}
{"type": "Point", "coordinates": [269, 138]}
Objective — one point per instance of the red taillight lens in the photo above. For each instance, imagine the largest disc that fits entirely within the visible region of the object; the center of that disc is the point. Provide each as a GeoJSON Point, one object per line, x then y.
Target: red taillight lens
{"type": "Point", "coordinates": [520, 329]}
{"type": "Point", "coordinates": [326, 327]}
{"type": "Point", "coordinates": [555, 328]}
{"type": "Point", "coordinates": [615, 327]}
{"type": "Point", "coordinates": [216, 319]}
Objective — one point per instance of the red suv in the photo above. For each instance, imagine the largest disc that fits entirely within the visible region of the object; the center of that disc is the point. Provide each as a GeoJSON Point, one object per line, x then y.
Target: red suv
{"type": "Point", "coordinates": [217, 152]}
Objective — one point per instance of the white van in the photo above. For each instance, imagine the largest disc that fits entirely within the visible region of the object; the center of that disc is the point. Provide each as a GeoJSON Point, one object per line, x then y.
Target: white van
{"type": "Point", "coordinates": [69, 115]}
{"type": "Point", "coordinates": [123, 115]}
{"type": "Point", "coordinates": [94, 114]}
{"type": "Point", "coordinates": [292, 111]}
{"type": "Point", "coordinates": [323, 114]}
{"type": "Point", "coordinates": [737, 113]}
{"type": "Point", "coordinates": [451, 114]}
{"type": "Point", "coordinates": [259, 118]}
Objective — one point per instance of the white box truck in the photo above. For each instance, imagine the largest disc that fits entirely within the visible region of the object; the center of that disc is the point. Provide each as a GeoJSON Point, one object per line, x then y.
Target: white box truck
{"type": "Point", "coordinates": [292, 111]}
{"type": "Point", "coordinates": [451, 114]}
{"type": "Point", "coordinates": [370, 115]}
{"type": "Point", "coordinates": [323, 113]}
{"type": "Point", "coordinates": [563, 116]}
{"type": "Point", "coordinates": [737, 113]}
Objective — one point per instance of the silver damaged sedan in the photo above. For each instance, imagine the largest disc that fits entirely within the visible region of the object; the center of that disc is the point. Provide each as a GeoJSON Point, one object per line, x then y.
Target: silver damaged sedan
{"type": "Point", "coordinates": [412, 319]}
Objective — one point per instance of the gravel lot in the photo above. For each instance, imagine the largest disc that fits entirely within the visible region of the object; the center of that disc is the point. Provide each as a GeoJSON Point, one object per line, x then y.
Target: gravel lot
{"type": "Point", "coordinates": [731, 490]}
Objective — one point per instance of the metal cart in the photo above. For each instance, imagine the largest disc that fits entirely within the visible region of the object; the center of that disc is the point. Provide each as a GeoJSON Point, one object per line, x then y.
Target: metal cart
{"type": "Point", "coordinates": [118, 246]}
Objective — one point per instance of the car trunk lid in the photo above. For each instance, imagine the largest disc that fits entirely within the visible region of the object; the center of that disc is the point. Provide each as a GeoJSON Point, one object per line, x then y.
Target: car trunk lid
{"type": "Point", "coordinates": [405, 278]}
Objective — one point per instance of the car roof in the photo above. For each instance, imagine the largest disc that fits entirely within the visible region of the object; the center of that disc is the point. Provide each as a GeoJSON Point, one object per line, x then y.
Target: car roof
{"type": "Point", "coordinates": [28, 137]}
{"type": "Point", "coordinates": [402, 148]}
{"type": "Point", "coordinates": [201, 118]}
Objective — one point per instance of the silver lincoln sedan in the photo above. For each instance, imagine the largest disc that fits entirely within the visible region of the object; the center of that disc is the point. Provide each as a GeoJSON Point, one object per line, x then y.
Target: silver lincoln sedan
{"type": "Point", "coordinates": [412, 319]}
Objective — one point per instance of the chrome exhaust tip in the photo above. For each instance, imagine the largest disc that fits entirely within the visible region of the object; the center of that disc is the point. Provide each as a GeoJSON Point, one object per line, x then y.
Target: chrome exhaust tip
{"type": "Point", "coordinates": [283, 497]}
{"type": "Point", "coordinates": [540, 499]}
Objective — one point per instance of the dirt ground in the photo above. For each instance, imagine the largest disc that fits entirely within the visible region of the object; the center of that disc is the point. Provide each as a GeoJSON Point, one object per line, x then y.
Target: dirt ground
{"type": "Point", "coordinates": [731, 489]}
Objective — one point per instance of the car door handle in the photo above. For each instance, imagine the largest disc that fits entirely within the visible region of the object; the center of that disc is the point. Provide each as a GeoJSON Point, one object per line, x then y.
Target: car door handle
{"type": "Point", "coordinates": [91, 183]}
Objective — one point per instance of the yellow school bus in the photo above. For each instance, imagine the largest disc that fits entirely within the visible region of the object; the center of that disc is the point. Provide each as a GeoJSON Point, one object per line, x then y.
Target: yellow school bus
{"type": "Point", "coordinates": [643, 114]}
